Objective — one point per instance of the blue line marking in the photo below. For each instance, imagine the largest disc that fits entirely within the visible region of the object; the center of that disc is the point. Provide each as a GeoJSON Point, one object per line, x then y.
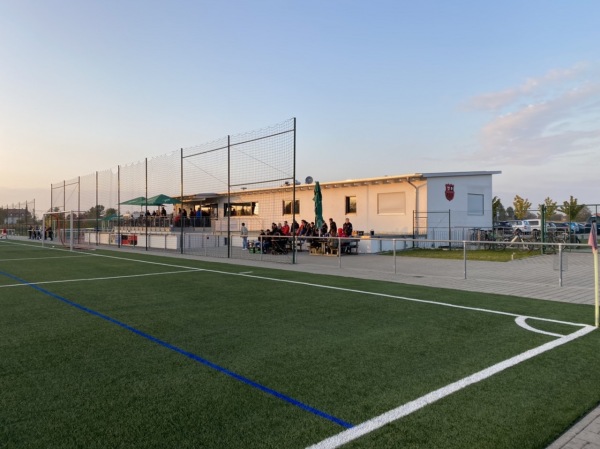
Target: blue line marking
{"type": "Point", "coordinates": [185, 353]}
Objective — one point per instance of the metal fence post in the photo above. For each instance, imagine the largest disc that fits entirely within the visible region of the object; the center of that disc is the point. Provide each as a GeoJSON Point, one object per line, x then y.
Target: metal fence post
{"type": "Point", "coordinates": [560, 264]}
{"type": "Point", "coordinates": [394, 253]}
{"type": "Point", "coordinates": [465, 258]}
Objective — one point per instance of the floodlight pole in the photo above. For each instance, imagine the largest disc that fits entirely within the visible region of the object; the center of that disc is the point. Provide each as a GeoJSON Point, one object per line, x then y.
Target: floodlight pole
{"type": "Point", "coordinates": [294, 245]}
{"type": "Point", "coordinates": [229, 196]}
{"type": "Point", "coordinates": [71, 233]}
{"type": "Point", "coordinates": [594, 242]}
{"type": "Point", "coordinates": [181, 223]}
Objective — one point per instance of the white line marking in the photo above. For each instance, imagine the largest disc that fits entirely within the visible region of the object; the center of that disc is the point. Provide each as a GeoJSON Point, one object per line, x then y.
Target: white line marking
{"type": "Point", "coordinates": [190, 270]}
{"type": "Point", "coordinates": [410, 407]}
{"type": "Point", "coordinates": [521, 322]}
{"type": "Point", "coordinates": [343, 289]}
{"type": "Point", "coordinates": [43, 258]}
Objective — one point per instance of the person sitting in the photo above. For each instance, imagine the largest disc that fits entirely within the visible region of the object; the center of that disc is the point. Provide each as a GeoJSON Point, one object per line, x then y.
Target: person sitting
{"type": "Point", "coordinates": [344, 242]}
{"type": "Point", "coordinates": [302, 229]}
{"type": "Point", "coordinates": [347, 227]}
{"type": "Point", "coordinates": [265, 240]}
{"type": "Point", "coordinates": [324, 229]}
{"type": "Point", "coordinates": [285, 229]}
{"type": "Point", "coordinates": [332, 242]}
{"type": "Point", "coordinates": [278, 243]}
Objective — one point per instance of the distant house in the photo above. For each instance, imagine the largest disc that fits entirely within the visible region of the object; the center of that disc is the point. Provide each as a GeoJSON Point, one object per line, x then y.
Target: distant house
{"type": "Point", "coordinates": [436, 205]}
{"type": "Point", "coordinates": [12, 216]}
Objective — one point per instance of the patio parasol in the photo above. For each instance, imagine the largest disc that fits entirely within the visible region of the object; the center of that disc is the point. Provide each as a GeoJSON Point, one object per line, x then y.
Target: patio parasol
{"type": "Point", "coordinates": [318, 199]}
{"type": "Point", "coordinates": [139, 201]}
{"type": "Point", "coordinates": [159, 200]}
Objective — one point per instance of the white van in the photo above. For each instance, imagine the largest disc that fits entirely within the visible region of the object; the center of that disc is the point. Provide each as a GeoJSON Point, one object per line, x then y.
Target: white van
{"type": "Point", "coordinates": [536, 225]}
{"type": "Point", "coordinates": [523, 225]}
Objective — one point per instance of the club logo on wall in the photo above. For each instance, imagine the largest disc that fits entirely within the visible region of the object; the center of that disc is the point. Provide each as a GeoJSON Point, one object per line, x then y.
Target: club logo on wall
{"type": "Point", "coordinates": [449, 192]}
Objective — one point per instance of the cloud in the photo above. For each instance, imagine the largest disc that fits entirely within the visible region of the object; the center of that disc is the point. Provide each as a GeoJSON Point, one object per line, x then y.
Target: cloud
{"type": "Point", "coordinates": [495, 101]}
{"type": "Point", "coordinates": [554, 116]}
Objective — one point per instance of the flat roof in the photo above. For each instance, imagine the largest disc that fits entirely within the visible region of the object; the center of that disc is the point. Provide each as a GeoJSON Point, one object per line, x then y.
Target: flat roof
{"type": "Point", "coordinates": [387, 179]}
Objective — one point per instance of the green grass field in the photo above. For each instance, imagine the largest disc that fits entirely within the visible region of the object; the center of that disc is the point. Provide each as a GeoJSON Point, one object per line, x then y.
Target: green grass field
{"type": "Point", "coordinates": [122, 350]}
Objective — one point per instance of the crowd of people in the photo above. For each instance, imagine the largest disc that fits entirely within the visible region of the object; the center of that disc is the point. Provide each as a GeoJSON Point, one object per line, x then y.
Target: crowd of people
{"type": "Point", "coordinates": [277, 239]}
{"type": "Point", "coordinates": [193, 217]}
{"type": "Point", "coordinates": [36, 233]}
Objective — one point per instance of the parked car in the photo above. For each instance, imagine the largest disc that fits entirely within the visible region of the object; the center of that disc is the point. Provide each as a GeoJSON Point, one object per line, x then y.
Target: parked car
{"type": "Point", "coordinates": [521, 225]}
{"type": "Point", "coordinates": [576, 228]}
{"type": "Point", "coordinates": [503, 227]}
{"type": "Point", "coordinates": [536, 225]}
{"type": "Point", "coordinates": [588, 224]}
{"type": "Point", "coordinates": [561, 226]}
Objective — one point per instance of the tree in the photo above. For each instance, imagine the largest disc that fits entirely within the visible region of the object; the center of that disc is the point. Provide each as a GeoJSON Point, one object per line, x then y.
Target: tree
{"type": "Point", "coordinates": [521, 207]}
{"type": "Point", "coordinates": [110, 211]}
{"type": "Point", "coordinates": [571, 209]}
{"type": "Point", "coordinates": [584, 214]}
{"type": "Point", "coordinates": [95, 210]}
{"type": "Point", "coordinates": [510, 213]}
{"type": "Point", "coordinates": [498, 211]}
{"type": "Point", "coordinates": [551, 208]}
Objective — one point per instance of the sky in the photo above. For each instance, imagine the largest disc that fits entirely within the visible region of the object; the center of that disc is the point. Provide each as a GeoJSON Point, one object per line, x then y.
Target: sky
{"type": "Point", "coordinates": [377, 88]}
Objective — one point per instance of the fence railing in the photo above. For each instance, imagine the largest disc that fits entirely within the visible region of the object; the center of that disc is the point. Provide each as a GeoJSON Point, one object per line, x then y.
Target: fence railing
{"type": "Point", "coordinates": [520, 267]}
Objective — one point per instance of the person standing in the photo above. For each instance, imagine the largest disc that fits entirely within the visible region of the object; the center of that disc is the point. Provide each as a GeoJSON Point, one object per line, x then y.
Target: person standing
{"type": "Point", "coordinates": [244, 234]}
{"type": "Point", "coordinates": [332, 227]}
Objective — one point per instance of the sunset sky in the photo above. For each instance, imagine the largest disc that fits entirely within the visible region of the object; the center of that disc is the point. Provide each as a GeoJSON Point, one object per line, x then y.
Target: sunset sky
{"type": "Point", "coordinates": [382, 87]}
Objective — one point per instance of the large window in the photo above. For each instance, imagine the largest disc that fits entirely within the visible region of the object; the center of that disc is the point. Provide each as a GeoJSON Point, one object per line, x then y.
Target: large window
{"type": "Point", "coordinates": [350, 205]}
{"type": "Point", "coordinates": [287, 207]}
{"type": "Point", "coordinates": [474, 204]}
{"type": "Point", "coordinates": [241, 209]}
{"type": "Point", "coordinates": [391, 203]}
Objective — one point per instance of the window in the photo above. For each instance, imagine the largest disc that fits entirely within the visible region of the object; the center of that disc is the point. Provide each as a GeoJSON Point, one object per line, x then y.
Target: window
{"type": "Point", "coordinates": [391, 203]}
{"type": "Point", "coordinates": [474, 204]}
{"type": "Point", "coordinates": [350, 205]}
{"type": "Point", "coordinates": [287, 207]}
{"type": "Point", "coordinates": [241, 209]}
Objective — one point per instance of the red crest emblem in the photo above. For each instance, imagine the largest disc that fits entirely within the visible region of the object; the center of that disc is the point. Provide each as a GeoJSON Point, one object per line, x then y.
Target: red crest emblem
{"type": "Point", "coordinates": [449, 192]}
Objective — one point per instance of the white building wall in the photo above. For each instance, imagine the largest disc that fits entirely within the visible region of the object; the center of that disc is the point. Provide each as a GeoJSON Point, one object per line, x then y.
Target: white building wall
{"type": "Point", "coordinates": [426, 196]}
{"type": "Point", "coordinates": [460, 216]}
{"type": "Point", "coordinates": [367, 216]}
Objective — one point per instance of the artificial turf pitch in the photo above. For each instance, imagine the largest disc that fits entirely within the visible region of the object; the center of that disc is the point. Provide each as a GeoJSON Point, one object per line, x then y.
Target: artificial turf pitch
{"type": "Point", "coordinates": [105, 349]}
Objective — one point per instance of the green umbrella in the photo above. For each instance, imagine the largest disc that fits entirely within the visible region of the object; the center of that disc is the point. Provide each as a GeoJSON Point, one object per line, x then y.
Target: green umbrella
{"type": "Point", "coordinates": [159, 200]}
{"type": "Point", "coordinates": [318, 199]}
{"type": "Point", "coordinates": [139, 201]}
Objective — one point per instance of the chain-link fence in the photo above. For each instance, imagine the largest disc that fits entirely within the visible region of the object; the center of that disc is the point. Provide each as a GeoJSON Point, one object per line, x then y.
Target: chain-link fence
{"type": "Point", "coordinates": [173, 199]}
{"type": "Point", "coordinates": [517, 266]}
